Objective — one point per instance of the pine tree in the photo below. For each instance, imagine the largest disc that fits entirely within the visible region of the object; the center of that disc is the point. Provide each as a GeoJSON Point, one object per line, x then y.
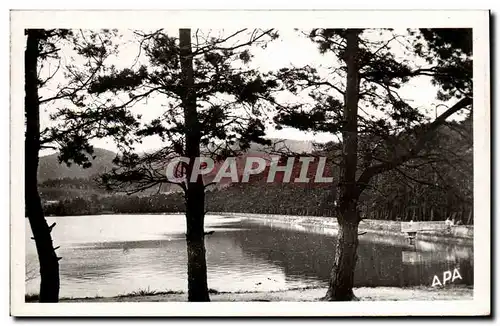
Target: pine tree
{"type": "Point", "coordinates": [75, 128]}
{"type": "Point", "coordinates": [213, 108]}
{"type": "Point", "coordinates": [367, 75]}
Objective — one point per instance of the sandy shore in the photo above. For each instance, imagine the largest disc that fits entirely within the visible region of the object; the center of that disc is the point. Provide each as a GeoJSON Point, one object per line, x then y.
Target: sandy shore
{"type": "Point", "coordinates": [453, 292]}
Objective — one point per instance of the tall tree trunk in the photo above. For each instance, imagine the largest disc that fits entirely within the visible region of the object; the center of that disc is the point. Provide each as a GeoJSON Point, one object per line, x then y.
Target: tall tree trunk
{"type": "Point", "coordinates": [195, 237]}
{"type": "Point", "coordinates": [195, 192]}
{"type": "Point", "coordinates": [49, 262]}
{"type": "Point", "coordinates": [342, 275]}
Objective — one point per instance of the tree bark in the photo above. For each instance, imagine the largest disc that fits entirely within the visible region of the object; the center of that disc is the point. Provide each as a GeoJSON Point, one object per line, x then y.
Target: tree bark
{"type": "Point", "coordinates": [342, 275]}
{"type": "Point", "coordinates": [195, 238]}
{"type": "Point", "coordinates": [195, 192]}
{"type": "Point", "coordinates": [49, 262]}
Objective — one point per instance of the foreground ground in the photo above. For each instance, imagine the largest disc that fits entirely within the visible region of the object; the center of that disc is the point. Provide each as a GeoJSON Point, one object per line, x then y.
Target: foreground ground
{"type": "Point", "coordinates": [313, 294]}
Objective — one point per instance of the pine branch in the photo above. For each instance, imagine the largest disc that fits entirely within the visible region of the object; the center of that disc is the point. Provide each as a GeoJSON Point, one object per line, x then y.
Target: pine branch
{"type": "Point", "coordinates": [369, 172]}
{"type": "Point", "coordinates": [211, 47]}
{"type": "Point", "coordinates": [215, 46]}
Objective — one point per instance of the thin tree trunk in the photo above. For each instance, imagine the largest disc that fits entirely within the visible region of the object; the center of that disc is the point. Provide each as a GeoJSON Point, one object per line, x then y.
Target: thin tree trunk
{"type": "Point", "coordinates": [195, 193]}
{"type": "Point", "coordinates": [48, 260]}
{"type": "Point", "coordinates": [342, 275]}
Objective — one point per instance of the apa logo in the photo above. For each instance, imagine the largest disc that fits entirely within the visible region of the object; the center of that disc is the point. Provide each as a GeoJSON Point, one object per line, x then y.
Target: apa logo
{"type": "Point", "coordinates": [447, 276]}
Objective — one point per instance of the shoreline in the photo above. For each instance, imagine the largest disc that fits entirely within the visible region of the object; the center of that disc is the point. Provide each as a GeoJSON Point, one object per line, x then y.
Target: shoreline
{"type": "Point", "coordinates": [428, 293]}
{"type": "Point", "coordinates": [460, 234]}
{"type": "Point", "coordinates": [378, 228]}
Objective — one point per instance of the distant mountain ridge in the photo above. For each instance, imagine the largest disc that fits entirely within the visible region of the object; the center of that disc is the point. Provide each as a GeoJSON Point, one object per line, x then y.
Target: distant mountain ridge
{"type": "Point", "coordinates": [50, 168]}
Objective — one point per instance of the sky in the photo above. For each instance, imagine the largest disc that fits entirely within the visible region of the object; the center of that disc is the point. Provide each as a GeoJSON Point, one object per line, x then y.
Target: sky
{"type": "Point", "coordinates": [290, 49]}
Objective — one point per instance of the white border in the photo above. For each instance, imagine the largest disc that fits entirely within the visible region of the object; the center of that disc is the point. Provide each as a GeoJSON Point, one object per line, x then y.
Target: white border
{"type": "Point", "coordinates": [478, 20]}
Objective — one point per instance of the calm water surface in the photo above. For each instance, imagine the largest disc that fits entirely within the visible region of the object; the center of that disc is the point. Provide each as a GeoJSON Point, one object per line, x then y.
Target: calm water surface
{"type": "Point", "coordinates": [109, 255]}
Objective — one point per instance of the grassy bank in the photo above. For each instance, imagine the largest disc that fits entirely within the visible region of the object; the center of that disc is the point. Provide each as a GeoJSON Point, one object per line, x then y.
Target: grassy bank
{"type": "Point", "coordinates": [453, 292]}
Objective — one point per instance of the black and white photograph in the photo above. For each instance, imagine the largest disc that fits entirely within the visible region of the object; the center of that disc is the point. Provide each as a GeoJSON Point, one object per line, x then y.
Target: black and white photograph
{"type": "Point", "coordinates": [272, 163]}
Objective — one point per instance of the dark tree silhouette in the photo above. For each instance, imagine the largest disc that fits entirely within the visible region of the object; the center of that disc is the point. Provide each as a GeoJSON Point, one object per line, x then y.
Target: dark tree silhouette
{"type": "Point", "coordinates": [213, 108]}
{"type": "Point", "coordinates": [72, 132]}
{"type": "Point", "coordinates": [49, 265]}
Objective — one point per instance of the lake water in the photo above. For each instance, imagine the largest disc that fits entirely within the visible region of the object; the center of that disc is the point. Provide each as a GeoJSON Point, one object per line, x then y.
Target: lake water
{"type": "Point", "coordinates": [109, 255]}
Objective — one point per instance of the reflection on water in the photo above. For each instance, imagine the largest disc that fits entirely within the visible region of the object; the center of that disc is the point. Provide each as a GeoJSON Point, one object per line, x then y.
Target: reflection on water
{"type": "Point", "coordinates": [116, 254]}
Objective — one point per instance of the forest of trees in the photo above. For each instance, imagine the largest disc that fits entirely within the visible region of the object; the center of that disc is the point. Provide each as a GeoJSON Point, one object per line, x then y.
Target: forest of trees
{"type": "Point", "coordinates": [392, 159]}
